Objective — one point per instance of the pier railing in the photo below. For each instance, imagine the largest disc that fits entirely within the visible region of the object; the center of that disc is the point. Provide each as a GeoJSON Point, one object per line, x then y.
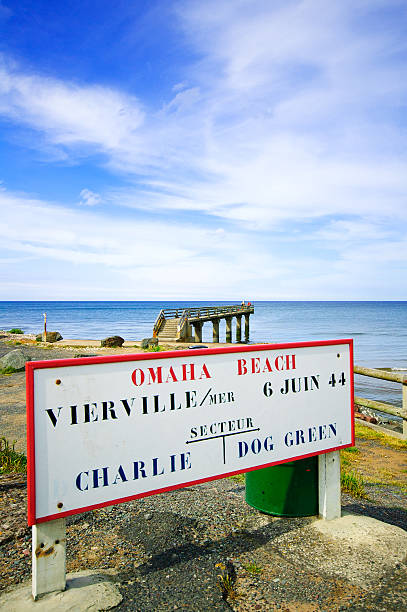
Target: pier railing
{"type": "Point", "coordinates": [201, 312]}
{"type": "Point", "coordinates": [158, 322]}
{"type": "Point", "coordinates": [186, 318]}
{"type": "Point", "coordinates": [381, 406]}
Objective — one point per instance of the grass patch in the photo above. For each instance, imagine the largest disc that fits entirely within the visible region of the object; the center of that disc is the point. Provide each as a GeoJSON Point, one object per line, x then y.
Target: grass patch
{"type": "Point", "coordinates": [238, 477]}
{"type": "Point", "coordinates": [352, 483]}
{"type": "Point", "coordinates": [154, 349]}
{"type": "Point", "coordinates": [11, 461]}
{"type": "Point", "coordinates": [7, 371]}
{"type": "Point", "coordinates": [15, 330]}
{"type": "Point", "coordinates": [227, 580]}
{"type": "Point", "coordinates": [348, 455]}
{"type": "Point", "coordinates": [253, 568]}
{"type": "Point", "coordinates": [361, 431]}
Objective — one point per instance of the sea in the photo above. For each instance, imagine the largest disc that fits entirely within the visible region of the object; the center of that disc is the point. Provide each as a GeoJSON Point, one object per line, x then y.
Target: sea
{"type": "Point", "coordinates": [378, 329]}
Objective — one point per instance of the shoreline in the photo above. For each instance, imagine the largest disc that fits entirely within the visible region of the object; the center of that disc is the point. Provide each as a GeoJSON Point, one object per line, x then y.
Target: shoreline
{"type": "Point", "coordinates": [25, 340]}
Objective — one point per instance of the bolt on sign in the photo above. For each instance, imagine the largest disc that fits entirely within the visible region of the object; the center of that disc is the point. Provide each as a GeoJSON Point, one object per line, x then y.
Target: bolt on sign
{"type": "Point", "coordinates": [105, 430]}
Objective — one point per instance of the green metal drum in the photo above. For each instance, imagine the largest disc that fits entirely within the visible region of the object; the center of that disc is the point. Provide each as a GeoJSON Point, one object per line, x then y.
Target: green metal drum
{"type": "Point", "coordinates": [288, 489]}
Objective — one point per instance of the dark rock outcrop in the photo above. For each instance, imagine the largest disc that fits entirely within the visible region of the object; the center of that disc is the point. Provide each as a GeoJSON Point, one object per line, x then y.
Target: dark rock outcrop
{"type": "Point", "coordinates": [112, 341]}
{"type": "Point", "coordinates": [15, 360]}
{"type": "Point", "coordinates": [52, 336]}
{"type": "Point", "coordinates": [148, 342]}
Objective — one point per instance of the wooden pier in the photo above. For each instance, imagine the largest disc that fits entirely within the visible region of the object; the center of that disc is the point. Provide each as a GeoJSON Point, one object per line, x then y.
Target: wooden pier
{"type": "Point", "coordinates": [185, 324]}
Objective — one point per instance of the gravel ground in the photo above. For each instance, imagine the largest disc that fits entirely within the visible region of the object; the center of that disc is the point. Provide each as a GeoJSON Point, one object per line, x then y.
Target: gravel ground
{"type": "Point", "coordinates": [169, 550]}
{"type": "Point", "coordinates": [166, 550]}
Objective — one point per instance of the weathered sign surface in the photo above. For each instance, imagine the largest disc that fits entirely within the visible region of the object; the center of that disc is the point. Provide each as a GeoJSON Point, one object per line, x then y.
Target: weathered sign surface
{"type": "Point", "coordinates": [103, 430]}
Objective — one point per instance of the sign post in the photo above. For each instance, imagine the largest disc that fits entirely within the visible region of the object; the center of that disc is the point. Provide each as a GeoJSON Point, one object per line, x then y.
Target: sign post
{"type": "Point", "coordinates": [329, 485]}
{"type": "Point", "coordinates": [48, 557]}
{"type": "Point", "coordinates": [109, 429]}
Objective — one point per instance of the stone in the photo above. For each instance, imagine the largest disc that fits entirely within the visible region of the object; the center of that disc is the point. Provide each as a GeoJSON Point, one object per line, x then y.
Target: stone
{"type": "Point", "coordinates": [112, 341]}
{"type": "Point", "coordinates": [15, 359]}
{"type": "Point", "coordinates": [147, 342]}
{"type": "Point", "coordinates": [52, 336]}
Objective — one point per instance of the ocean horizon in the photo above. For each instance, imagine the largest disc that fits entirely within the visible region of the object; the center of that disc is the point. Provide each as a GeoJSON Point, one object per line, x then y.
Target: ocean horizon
{"type": "Point", "coordinates": [378, 328]}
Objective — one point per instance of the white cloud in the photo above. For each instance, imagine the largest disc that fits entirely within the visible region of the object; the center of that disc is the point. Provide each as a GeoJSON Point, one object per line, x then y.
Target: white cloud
{"type": "Point", "coordinates": [67, 113]}
{"type": "Point", "coordinates": [147, 258]}
{"type": "Point", "coordinates": [89, 198]}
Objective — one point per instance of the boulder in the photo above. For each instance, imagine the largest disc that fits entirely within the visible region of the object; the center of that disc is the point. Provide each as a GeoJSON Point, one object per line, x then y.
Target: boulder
{"type": "Point", "coordinates": [112, 341]}
{"type": "Point", "coordinates": [148, 342]}
{"type": "Point", "coordinates": [52, 336]}
{"type": "Point", "coordinates": [15, 360]}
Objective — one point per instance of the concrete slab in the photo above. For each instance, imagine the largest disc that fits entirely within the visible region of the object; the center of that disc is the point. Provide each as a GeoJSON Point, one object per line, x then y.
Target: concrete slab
{"type": "Point", "coordinates": [358, 548]}
{"type": "Point", "coordinates": [87, 591]}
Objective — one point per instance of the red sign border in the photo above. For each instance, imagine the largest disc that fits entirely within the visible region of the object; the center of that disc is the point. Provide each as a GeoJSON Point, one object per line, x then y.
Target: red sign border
{"type": "Point", "coordinates": [31, 366]}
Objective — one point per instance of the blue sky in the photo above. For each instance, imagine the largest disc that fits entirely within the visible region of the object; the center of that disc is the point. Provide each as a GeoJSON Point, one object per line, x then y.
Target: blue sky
{"type": "Point", "coordinates": [203, 149]}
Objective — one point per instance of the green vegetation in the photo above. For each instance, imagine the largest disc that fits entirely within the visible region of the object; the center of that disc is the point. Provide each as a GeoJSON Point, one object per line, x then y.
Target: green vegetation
{"type": "Point", "coordinates": [8, 371]}
{"type": "Point", "coordinates": [361, 431]}
{"type": "Point", "coordinates": [348, 455]}
{"type": "Point", "coordinates": [15, 330]}
{"type": "Point", "coordinates": [11, 461]}
{"type": "Point", "coordinates": [352, 483]}
{"type": "Point", "coordinates": [226, 582]}
{"type": "Point", "coordinates": [253, 568]}
{"type": "Point", "coordinates": [154, 349]}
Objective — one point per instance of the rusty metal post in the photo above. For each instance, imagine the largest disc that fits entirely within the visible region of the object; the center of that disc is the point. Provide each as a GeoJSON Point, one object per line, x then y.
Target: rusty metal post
{"type": "Point", "coordinates": [45, 326]}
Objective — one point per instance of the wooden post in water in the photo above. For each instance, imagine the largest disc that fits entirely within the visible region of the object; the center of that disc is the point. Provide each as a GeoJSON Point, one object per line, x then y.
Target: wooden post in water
{"type": "Point", "coordinates": [198, 331]}
{"type": "Point", "coordinates": [45, 326]}
{"type": "Point", "coordinates": [215, 324]}
{"type": "Point", "coordinates": [238, 328]}
{"type": "Point", "coordinates": [329, 485]}
{"type": "Point", "coordinates": [228, 329]}
{"type": "Point", "coordinates": [48, 557]}
{"type": "Point", "coordinates": [246, 327]}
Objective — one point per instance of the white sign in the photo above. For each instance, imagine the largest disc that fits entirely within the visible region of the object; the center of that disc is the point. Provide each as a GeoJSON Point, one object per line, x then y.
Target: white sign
{"type": "Point", "coordinates": [104, 430]}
